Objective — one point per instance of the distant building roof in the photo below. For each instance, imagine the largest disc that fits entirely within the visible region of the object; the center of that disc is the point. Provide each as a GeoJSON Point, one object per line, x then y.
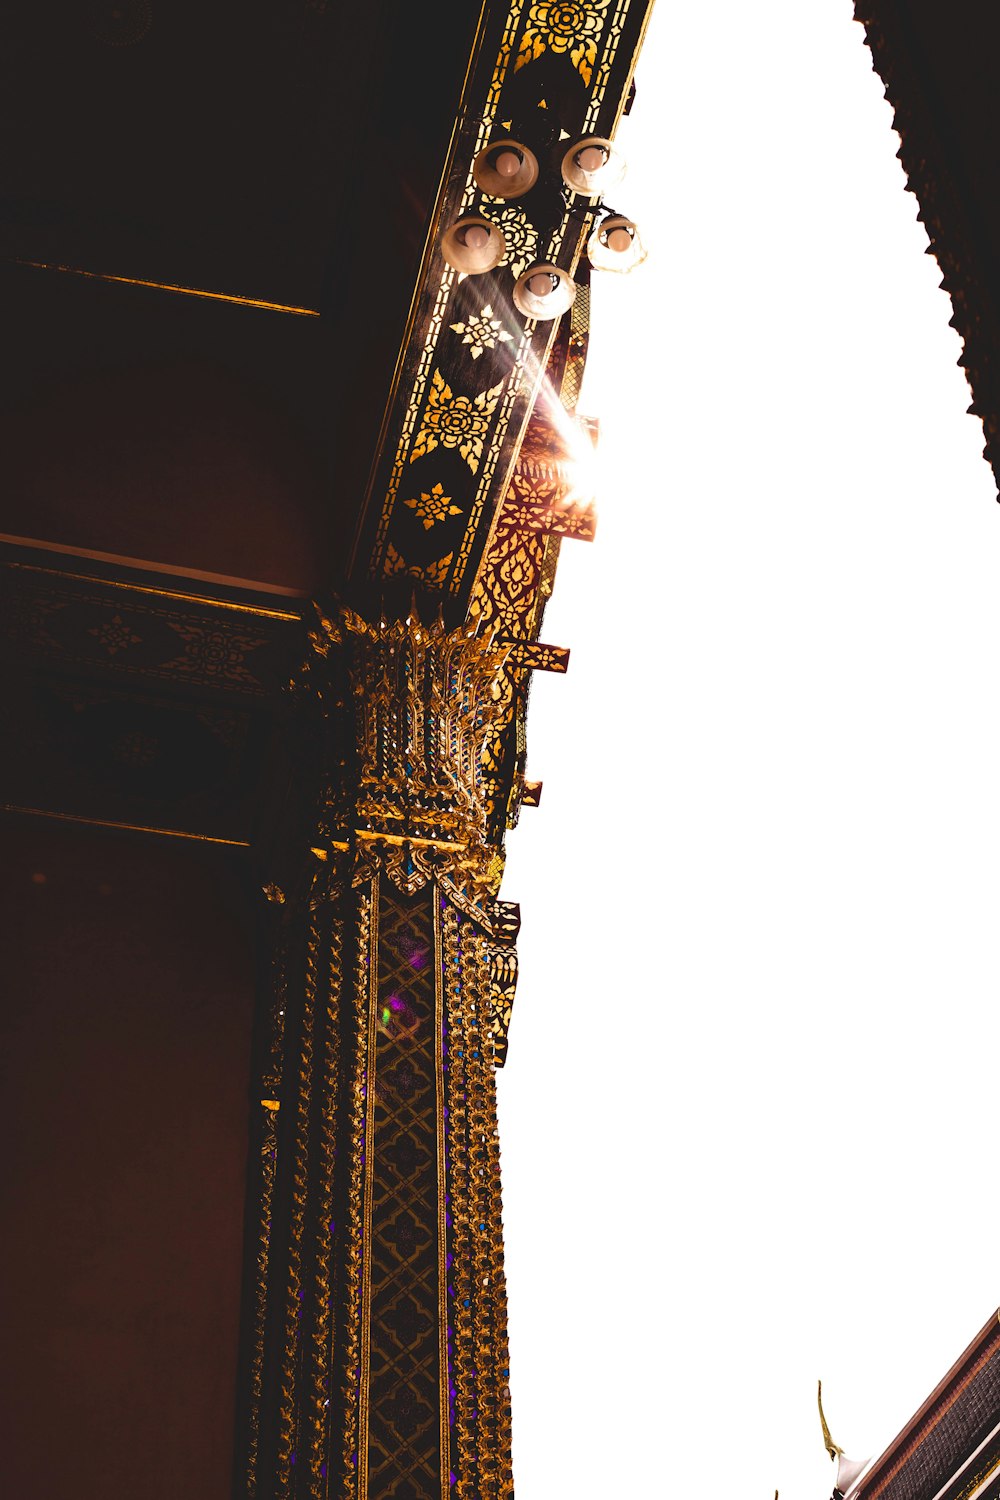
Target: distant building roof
{"type": "Point", "coordinates": [950, 1448]}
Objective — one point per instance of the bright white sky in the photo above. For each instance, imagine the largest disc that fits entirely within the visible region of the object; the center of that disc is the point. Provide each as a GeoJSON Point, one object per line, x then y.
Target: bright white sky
{"type": "Point", "coordinates": [748, 1116]}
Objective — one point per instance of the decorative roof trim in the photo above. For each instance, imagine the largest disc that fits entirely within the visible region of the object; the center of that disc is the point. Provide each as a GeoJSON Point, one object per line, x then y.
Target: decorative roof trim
{"type": "Point", "coordinates": [945, 208]}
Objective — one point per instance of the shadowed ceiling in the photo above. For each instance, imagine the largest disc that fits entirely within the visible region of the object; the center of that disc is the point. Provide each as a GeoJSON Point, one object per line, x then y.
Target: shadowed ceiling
{"type": "Point", "coordinates": [282, 154]}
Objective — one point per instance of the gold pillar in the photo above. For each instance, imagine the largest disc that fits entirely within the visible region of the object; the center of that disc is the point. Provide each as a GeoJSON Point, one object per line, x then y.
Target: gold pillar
{"type": "Point", "coordinates": [376, 1366]}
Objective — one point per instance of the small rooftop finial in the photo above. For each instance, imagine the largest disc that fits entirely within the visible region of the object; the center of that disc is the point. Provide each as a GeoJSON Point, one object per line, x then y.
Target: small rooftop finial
{"type": "Point", "coordinates": [828, 1443]}
{"type": "Point", "coordinates": [849, 1470]}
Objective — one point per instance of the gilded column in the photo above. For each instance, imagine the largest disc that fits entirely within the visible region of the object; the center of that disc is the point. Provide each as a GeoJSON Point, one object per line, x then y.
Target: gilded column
{"type": "Point", "coordinates": [377, 1363]}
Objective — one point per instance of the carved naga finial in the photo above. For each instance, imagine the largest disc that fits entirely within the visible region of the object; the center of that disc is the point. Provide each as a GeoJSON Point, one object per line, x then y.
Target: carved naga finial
{"type": "Point", "coordinates": [828, 1443]}
{"type": "Point", "coordinates": [848, 1469]}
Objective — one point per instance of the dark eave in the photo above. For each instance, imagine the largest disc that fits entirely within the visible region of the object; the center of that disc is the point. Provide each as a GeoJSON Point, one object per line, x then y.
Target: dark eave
{"type": "Point", "coordinates": [226, 318]}
{"type": "Point", "coordinates": [938, 64]}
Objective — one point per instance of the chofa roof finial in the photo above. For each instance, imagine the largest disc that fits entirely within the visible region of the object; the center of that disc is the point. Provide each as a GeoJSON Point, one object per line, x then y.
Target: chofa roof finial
{"type": "Point", "coordinates": [828, 1443]}
{"type": "Point", "coordinates": [849, 1470]}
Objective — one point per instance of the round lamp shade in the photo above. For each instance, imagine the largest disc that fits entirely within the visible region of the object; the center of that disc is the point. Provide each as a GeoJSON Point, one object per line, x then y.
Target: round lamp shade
{"type": "Point", "coordinates": [615, 245]}
{"type": "Point", "coordinates": [507, 169]}
{"type": "Point", "coordinates": [592, 166]}
{"type": "Point", "coordinates": [473, 245]}
{"type": "Point", "coordinates": [543, 292]}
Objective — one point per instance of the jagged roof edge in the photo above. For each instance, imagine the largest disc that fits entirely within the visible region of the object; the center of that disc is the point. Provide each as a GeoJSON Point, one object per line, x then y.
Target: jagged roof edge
{"type": "Point", "coordinates": [948, 219]}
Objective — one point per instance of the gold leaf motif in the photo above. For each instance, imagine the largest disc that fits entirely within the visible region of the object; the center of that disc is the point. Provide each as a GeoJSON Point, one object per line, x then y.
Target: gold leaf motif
{"type": "Point", "coordinates": [452, 421]}
{"type": "Point", "coordinates": [435, 572]}
{"type": "Point", "coordinates": [564, 26]}
{"type": "Point", "coordinates": [484, 331]}
{"type": "Point", "coordinates": [114, 635]}
{"type": "Point", "coordinates": [503, 983]}
{"type": "Point", "coordinates": [520, 237]}
{"type": "Point", "coordinates": [433, 506]}
{"type": "Point", "coordinates": [518, 572]}
{"type": "Point", "coordinates": [429, 699]}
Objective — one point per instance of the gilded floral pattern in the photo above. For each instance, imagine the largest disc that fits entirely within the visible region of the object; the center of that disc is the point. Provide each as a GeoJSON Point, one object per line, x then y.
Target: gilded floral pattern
{"type": "Point", "coordinates": [564, 26]}
{"type": "Point", "coordinates": [517, 572]}
{"type": "Point", "coordinates": [452, 421]}
{"type": "Point", "coordinates": [584, 38]}
{"type": "Point", "coordinates": [433, 505]}
{"type": "Point", "coordinates": [114, 635]}
{"type": "Point", "coordinates": [484, 331]}
{"type": "Point", "coordinates": [520, 237]}
{"type": "Point", "coordinates": [434, 573]}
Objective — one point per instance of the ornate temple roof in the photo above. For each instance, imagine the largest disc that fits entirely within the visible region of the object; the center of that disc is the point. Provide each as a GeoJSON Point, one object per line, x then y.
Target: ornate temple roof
{"type": "Point", "coordinates": [950, 1448]}
{"type": "Point", "coordinates": [938, 65]}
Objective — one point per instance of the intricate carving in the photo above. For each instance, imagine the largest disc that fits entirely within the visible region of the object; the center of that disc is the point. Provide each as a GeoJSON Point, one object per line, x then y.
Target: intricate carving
{"type": "Point", "coordinates": [433, 505]}
{"type": "Point", "coordinates": [503, 983]}
{"type": "Point", "coordinates": [541, 500]}
{"type": "Point", "coordinates": [296, 1295]}
{"type": "Point", "coordinates": [520, 563]}
{"type": "Point", "coordinates": [435, 406]}
{"type": "Point", "coordinates": [507, 594]}
{"type": "Point", "coordinates": [576, 346]}
{"type": "Point", "coordinates": [378, 1363]}
{"type": "Point", "coordinates": [268, 1156]}
{"type": "Point", "coordinates": [482, 331]}
{"type": "Point", "coordinates": [423, 701]}
{"type": "Point", "coordinates": [318, 1354]}
{"type": "Point", "coordinates": [572, 27]}
{"type": "Point", "coordinates": [124, 629]}
{"type": "Point", "coordinates": [214, 654]}
{"type": "Point", "coordinates": [505, 921]}
{"type": "Point", "coordinates": [433, 573]}
{"type": "Point", "coordinates": [579, 525]}
{"type": "Point", "coordinates": [461, 422]}
{"type": "Point", "coordinates": [356, 1248]}
{"type": "Point", "coordinates": [520, 236]}
{"type": "Point", "coordinates": [537, 657]}
{"type": "Point", "coordinates": [114, 635]}
{"type": "Point", "coordinates": [405, 1383]}
{"type": "Point", "coordinates": [300, 1105]}
{"type": "Point", "coordinates": [462, 1360]}
{"type": "Point", "coordinates": [481, 1397]}
{"type": "Point", "coordinates": [611, 41]}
